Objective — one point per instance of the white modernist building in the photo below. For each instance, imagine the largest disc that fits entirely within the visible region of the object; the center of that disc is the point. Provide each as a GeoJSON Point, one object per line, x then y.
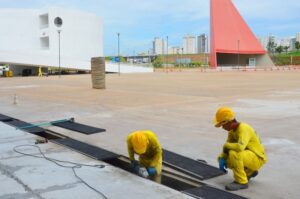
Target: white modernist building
{"type": "Point", "coordinates": [29, 37]}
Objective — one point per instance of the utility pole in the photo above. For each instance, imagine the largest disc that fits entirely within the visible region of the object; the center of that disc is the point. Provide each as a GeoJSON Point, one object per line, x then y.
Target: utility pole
{"type": "Point", "coordinates": [119, 69]}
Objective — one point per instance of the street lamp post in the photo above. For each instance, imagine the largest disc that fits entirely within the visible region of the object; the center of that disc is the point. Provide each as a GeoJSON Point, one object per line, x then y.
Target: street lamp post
{"type": "Point", "coordinates": [162, 51]}
{"type": "Point", "coordinates": [177, 53]}
{"type": "Point", "coordinates": [149, 58]}
{"type": "Point", "coordinates": [119, 53]}
{"type": "Point", "coordinates": [167, 61]}
{"type": "Point", "coordinates": [238, 42]}
{"type": "Point", "coordinates": [58, 22]}
{"type": "Point", "coordinates": [181, 58]}
{"type": "Point", "coordinates": [59, 31]}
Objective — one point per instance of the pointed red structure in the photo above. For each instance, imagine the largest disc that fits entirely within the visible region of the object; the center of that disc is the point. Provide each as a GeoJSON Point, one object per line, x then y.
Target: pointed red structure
{"type": "Point", "coordinates": [232, 41]}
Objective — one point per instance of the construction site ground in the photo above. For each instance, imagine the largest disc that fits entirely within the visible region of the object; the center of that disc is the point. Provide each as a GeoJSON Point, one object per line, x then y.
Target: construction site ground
{"type": "Point", "coordinates": [178, 106]}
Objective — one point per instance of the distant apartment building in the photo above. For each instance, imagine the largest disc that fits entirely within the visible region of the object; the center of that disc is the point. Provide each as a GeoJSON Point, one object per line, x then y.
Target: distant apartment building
{"type": "Point", "coordinates": [189, 44]}
{"type": "Point", "coordinates": [298, 37]}
{"type": "Point", "coordinates": [289, 42]}
{"type": "Point", "coordinates": [292, 43]}
{"type": "Point", "coordinates": [159, 46]}
{"type": "Point", "coordinates": [202, 44]}
{"type": "Point", "coordinates": [285, 41]}
{"type": "Point", "coordinates": [264, 41]}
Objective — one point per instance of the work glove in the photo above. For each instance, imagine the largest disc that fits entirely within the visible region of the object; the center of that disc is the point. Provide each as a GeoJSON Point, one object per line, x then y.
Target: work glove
{"type": "Point", "coordinates": [222, 164]}
{"type": "Point", "coordinates": [143, 172]}
{"type": "Point", "coordinates": [152, 171]}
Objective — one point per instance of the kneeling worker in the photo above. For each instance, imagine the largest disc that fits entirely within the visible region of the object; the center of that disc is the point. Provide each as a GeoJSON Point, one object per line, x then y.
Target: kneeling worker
{"type": "Point", "coordinates": [145, 144]}
{"type": "Point", "coordinates": [243, 152]}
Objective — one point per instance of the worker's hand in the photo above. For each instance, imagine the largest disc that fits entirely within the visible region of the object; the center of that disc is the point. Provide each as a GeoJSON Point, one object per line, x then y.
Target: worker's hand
{"type": "Point", "coordinates": [135, 166]}
{"type": "Point", "coordinates": [222, 164]}
{"type": "Point", "coordinates": [152, 171]}
{"type": "Point", "coordinates": [226, 147]}
{"type": "Point", "coordinates": [134, 163]}
{"type": "Point", "coordinates": [225, 150]}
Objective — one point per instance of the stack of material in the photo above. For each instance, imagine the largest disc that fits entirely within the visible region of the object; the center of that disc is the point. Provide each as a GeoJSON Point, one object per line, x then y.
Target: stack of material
{"type": "Point", "coordinates": [8, 73]}
{"type": "Point", "coordinates": [98, 72]}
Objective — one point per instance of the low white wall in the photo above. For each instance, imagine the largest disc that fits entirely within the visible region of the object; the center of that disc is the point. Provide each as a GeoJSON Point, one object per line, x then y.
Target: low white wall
{"type": "Point", "coordinates": [127, 68]}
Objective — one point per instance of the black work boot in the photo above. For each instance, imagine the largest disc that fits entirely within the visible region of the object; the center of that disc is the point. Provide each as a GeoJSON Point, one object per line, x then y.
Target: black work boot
{"type": "Point", "coordinates": [234, 186]}
{"type": "Point", "coordinates": [255, 173]}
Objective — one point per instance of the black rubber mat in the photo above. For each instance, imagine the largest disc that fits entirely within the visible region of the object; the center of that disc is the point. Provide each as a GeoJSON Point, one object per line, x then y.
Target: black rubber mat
{"type": "Point", "coordinates": [85, 129]}
{"type": "Point", "coordinates": [189, 166]}
{"type": "Point", "coordinates": [86, 149]}
{"type": "Point", "coordinates": [207, 192]}
{"type": "Point", "coordinates": [4, 118]}
{"type": "Point", "coordinates": [19, 124]}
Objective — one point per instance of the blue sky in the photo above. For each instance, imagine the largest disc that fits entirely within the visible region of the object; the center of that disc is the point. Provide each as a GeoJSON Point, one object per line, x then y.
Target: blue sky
{"type": "Point", "coordinates": [139, 21]}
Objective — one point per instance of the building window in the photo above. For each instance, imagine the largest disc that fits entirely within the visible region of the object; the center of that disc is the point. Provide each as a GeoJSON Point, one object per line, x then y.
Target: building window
{"type": "Point", "coordinates": [44, 41]}
{"type": "Point", "coordinates": [44, 21]}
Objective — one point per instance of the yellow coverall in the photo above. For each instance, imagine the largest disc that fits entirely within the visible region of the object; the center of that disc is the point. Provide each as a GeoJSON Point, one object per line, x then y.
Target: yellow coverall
{"type": "Point", "coordinates": [153, 155]}
{"type": "Point", "coordinates": [40, 74]}
{"type": "Point", "coordinates": [243, 152]}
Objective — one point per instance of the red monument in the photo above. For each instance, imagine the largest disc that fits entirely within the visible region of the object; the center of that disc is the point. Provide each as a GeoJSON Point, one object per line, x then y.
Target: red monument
{"type": "Point", "coordinates": [232, 41]}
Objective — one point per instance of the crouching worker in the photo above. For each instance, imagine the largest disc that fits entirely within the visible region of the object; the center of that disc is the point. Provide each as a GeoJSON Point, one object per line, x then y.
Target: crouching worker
{"type": "Point", "coordinates": [242, 152]}
{"type": "Point", "coordinates": [145, 144]}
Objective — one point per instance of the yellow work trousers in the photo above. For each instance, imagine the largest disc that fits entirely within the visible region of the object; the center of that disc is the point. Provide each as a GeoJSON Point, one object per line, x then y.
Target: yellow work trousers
{"type": "Point", "coordinates": [243, 164]}
{"type": "Point", "coordinates": [144, 161]}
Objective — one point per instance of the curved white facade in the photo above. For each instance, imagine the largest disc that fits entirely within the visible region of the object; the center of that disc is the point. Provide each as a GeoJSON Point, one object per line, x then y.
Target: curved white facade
{"type": "Point", "coordinates": [30, 37]}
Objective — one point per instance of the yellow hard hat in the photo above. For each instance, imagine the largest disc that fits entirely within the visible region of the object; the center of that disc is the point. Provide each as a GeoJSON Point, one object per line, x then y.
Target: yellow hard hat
{"type": "Point", "coordinates": [139, 142]}
{"type": "Point", "coordinates": [223, 115]}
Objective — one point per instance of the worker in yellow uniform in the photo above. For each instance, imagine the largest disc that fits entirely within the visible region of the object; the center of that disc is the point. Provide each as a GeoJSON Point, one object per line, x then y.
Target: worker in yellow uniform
{"type": "Point", "coordinates": [145, 144]}
{"type": "Point", "coordinates": [40, 74]}
{"type": "Point", "coordinates": [243, 151]}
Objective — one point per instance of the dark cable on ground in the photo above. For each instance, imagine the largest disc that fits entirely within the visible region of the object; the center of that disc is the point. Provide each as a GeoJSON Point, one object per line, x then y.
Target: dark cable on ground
{"type": "Point", "coordinates": [58, 163]}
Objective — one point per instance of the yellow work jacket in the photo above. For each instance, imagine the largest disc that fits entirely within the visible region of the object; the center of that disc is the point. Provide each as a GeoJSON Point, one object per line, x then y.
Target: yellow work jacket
{"type": "Point", "coordinates": [244, 138]}
{"type": "Point", "coordinates": [153, 155]}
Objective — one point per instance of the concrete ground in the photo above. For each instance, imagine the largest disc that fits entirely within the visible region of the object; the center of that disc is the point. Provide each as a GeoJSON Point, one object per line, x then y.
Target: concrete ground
{"type": "Point", "coordinates": [25, 177]}
{"type": "Point", "coordinates": [179, 107]}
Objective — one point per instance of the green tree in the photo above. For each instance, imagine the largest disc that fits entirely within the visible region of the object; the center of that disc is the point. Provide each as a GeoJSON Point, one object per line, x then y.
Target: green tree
{"type": "Point", "coordinates": [157, 63]}
{"type": "Point", "coordinates": [286, 49]}
{"type": "Point", "coordinates": [123, 60]}
{"type": "Point", "coordinates": [279, 49]}
{"type": "Point", "coordinates": [297, 45]}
